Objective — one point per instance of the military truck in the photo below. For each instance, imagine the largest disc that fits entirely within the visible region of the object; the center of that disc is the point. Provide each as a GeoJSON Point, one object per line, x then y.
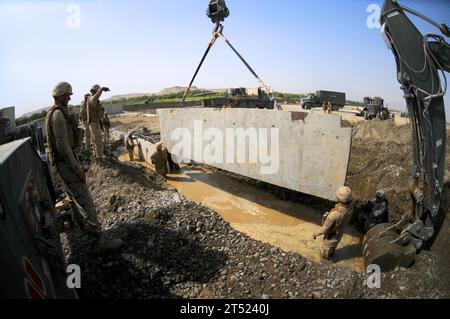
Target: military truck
{"type": "Point", "coordinates": [243, 98]}
{"type": "Point", "coordinates": [7, 124]}
{"type": "Point", "coordinates": [337, 100]}
{"type": "Point", "coordinates": [31, 255]}
{"type": "Point", "coordinates": [374, 108]}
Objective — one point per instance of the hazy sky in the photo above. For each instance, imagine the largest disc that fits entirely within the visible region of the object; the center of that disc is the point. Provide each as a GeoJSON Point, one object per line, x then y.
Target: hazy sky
{"type": "Point", "coordinates": [145, 46]}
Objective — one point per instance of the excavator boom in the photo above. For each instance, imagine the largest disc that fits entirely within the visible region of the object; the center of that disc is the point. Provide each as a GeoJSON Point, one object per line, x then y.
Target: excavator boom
{"type": "Point", "coordinates": [419, 60]}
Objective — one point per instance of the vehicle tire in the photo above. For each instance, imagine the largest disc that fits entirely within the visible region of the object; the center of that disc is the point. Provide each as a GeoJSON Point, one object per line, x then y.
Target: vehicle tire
{"type": "Point", "coordinates": [366, 116]}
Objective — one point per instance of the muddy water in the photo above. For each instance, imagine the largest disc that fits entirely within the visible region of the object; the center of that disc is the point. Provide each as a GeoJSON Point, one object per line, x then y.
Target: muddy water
{"type": "Point", "coordinates": [261, 215]}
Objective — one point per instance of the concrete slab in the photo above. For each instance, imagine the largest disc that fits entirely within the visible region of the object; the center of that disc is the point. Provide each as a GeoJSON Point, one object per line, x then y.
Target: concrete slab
{"type": "Point", "coordinates": [113, 109]}
{"type": "Point", "coordinates": [308, 152]}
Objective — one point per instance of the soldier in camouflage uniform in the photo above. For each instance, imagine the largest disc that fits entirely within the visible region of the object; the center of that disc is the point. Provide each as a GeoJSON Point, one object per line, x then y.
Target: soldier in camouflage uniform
{"type": "Point", "coordinates": [159, 159]}
{"type": "Point", "coordinates": [84, 118]}
{"type": "Point", "coordinates": [130, 145]}
{"type": "Point", "coordinates": [106, 128]}
{"type": "Point", "coordinates": [64, 137]}
{"type": "Point", "coordinates": [95, 117]}
{"type": "Point", "coordinates": [330, 108]}
{"type": "Point", "coordinates": [335, 222]}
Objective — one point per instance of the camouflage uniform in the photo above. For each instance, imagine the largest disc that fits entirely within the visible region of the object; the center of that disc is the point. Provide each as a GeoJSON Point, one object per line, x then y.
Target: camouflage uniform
{"type": "Point", "coordinates": [84, 118]}
{"type": "Point", "coordinates": [330, 108]}
{"type": "Point", "coordinates": [334, 224]}
{"type": "Point", "coordinates": [324, 108]}
{"type": "Point", "coordinates": [63, 139]}
{"type": "Point", "coordinates": [106, 127]}
{"type": "Point", "coordinates": [130, 145]}
{"type": "Point", "coordinates": [95, 116]}
{"type": "Point", "coordinates": [159, 159]}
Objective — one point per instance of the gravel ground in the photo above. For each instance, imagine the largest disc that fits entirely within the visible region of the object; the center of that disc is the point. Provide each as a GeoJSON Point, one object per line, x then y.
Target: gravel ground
{"type": "Point", "coordinates": [178, 249]}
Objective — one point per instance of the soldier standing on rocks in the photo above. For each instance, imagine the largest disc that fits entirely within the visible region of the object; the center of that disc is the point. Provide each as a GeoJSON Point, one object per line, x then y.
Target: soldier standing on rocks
{"type": "Point", "coordinates": [335, 222]}
{"type": "Point", "coordinates": [106, 127]}
{"type": "Point", "coordinates": [84, 118]}
{"type": "Point", "coordinates": [95, 116]}
{"type": "Point", "coordinates": [63, 139]}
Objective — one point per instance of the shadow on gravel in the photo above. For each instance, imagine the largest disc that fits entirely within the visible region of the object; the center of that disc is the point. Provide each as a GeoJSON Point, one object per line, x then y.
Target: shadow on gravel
{"type": "Point", "coordinates": [134, 173]}
{"type": "Point", "coordinates": [347, 252]}
{"type": "Point", "coordinates": [154, 260]}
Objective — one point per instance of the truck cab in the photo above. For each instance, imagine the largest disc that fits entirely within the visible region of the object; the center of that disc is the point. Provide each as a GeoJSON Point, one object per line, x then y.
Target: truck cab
{"type": "Point", "coordinates": [374, 108]}
{"type": "Point", "coordinates": [308, 101]}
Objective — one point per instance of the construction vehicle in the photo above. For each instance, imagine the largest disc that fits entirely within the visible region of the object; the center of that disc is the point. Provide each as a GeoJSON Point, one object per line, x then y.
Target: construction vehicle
{"type": "Point", "coordinates": [337, 100]}
{"type": "Point", "coordinates": [419, 60]}
{"type": "Point", "coordinates": [7, 124]}
{"type": "Point", "coordinates": [33, 264]}
{"type": "Point", "coordinates": [217, 11]}
{"type": "Point", "coordinates": [374, 108]}
{"type": "Point", "coordinates": [243, 98]}
{"type": "Point", "coordinates": [31, 255]}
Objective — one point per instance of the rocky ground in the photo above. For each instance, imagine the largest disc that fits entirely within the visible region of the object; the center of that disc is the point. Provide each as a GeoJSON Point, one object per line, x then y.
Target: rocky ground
{"type": "Point", "coordinates": [178, 249]}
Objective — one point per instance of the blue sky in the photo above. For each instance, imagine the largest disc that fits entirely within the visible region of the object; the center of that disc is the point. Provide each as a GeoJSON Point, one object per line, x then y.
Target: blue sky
{"type": "Point", "coordinates": [145, 46]}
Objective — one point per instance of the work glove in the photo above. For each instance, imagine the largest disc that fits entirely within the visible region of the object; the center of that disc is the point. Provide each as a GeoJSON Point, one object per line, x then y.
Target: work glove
{"type": "Point", "coordinates": [105, 89]}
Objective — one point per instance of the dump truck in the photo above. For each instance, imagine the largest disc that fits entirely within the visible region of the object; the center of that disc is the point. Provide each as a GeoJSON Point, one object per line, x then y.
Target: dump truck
{"type": "Point", "coordinates": [243, 98]}
{"type": "Point", "coordinates": [337, 100]}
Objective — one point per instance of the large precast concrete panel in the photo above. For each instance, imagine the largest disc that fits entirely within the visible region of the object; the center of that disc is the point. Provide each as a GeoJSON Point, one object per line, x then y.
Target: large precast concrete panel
{"type": "Point", "coordinates": [301, 151]}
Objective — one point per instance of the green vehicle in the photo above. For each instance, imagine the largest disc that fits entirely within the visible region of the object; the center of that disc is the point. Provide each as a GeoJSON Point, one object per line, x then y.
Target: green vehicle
{"type": "Point", "coordinates": [31, 255]}
{"type": "Point", "coordinates": [243, 98]}
{"type": "Point", "coordinates": [374, 108]}
{"type": "Point", "coordinates": [337, 100]}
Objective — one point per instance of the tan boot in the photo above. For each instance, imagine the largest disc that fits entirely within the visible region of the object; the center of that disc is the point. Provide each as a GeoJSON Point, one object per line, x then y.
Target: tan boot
{"type": "Point", "coordinates": [105, 245]}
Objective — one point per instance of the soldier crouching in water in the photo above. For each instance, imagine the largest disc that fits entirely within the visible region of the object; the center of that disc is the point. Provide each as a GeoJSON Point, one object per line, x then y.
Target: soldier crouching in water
{"type": "Point", "coordinates": [159, 159]}
{"type": "Point", "coordinates": [63, 139]}
{"type": "Point", "coordinates": [335, 222]}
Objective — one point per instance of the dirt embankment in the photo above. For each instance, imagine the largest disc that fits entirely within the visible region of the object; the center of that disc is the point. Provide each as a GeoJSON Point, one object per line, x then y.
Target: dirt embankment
{"type": "Point", "coordinates": [381, 159]}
